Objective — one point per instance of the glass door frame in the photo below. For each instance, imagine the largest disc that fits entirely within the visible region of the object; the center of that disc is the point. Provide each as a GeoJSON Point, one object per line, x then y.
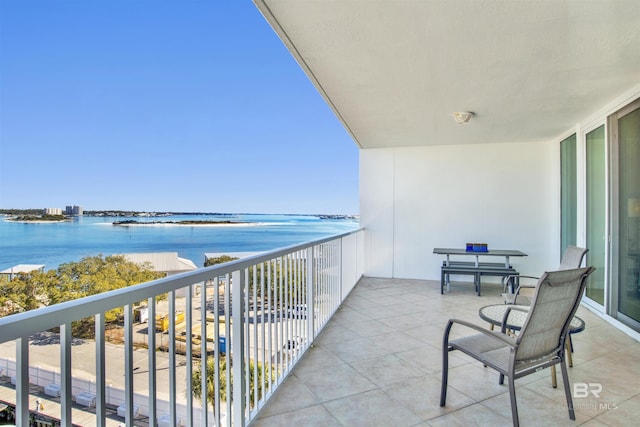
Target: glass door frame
{"type": "Point", "coordinates": [605, 307]}
{"type": "Point", "coordinates": [569, 184]}
{"type": "Point", "coordinates": [612, 305]}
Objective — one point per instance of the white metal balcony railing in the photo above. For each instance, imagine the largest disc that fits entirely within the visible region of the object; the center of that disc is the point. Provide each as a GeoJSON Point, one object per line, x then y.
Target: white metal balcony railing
{"type": "Point", "coordinates": [263, 311]}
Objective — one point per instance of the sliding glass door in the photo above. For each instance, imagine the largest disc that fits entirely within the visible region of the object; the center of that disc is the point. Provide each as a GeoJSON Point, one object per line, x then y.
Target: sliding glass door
{"type": "Point", "coordinates": [612, 212]}
{"type": "Point", "coordinates": [628, 236]}
{"type": "Point", "coordinates": [596, 212]}
{"type": "Point", "coordinates": [568, 192]}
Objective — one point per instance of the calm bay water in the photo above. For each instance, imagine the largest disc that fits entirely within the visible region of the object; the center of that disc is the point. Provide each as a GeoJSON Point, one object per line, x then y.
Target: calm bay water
{"type": "Point", "coordinates": [58, 243]}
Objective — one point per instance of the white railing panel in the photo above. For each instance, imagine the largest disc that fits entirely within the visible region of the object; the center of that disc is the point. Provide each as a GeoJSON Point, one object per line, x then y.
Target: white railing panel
{"type": "Point", "coordinates": [250, 320]}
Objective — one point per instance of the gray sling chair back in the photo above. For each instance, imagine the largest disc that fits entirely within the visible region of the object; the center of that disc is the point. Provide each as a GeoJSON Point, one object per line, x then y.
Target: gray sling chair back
{"type": "Point", "coordinates": [572, 258]}
{"type": "Point", "coordinates": [540, 343]}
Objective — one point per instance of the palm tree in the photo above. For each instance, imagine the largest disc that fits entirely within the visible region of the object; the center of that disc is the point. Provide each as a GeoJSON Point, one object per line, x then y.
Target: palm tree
{"type": "Point", "coordinates": [196, 380]}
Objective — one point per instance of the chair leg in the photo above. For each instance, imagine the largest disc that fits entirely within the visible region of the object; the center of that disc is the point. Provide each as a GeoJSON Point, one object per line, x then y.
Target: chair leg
{"type": "Point", "coordinates": [567, 389]}
{"type": "Point", "coordinates": [512, 397]}
{"type": "Point", "coordinates": [445, 364]}
{"type": "Point", "coordinates": [554, 379]}
{"type": "Point", "coordinates": [445, 375]}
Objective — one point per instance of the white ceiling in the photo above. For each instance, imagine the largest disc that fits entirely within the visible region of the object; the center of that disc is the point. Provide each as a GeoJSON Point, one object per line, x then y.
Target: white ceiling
{"type": "Point", "coordinates": [394, 71]}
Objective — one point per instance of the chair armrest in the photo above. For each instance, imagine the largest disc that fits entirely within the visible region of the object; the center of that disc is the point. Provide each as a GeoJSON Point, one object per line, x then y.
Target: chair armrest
{"type": "Point", "coordinates": [505, 317]}
{"type": "Point", "coordinates": [512, 298]}
{"type": "Point", "coordinates": [507, 279]}
{"type": "Point", "coordinates": [519, 288]}
{"type": "Point", "coordinates": [525, 286]}
{"type": "Point", "coordinates": [506, 295]}
{"type": "Point", "coordinates": [529, 277]}
{"type": "Point", "coordinates": [498, 336]}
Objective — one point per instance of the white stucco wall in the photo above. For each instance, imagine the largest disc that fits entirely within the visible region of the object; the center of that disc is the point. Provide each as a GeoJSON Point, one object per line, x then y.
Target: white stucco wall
{"type": "Point", "coordinates": [415, 199]}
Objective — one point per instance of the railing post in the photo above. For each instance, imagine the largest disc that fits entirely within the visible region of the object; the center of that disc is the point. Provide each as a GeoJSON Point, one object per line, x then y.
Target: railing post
{"type": "Point", "coordinates": [237, 348]}
{"type": "Point", "coordinates": [128, 364]}
{"type": "Point", "coordinates": [204, 411]}
{"type": "Point", "coordinates": [22, 382]}
{"type": "Point", "coordinates": [151, 351]}
{"type": "Point", "coordinates": [172, 358]}
{"type": "Point", "coordinates": [189, 353]}
{"type": "Point", "coordinates": [228, 357]}
{"type": "Point", "coordinates": [65, 373]}
{"type": "Point", "coordinates": [340, 272]}
{"type": "Point", "coordinates": [310, 296]}
{"type": "Point", "coordinates": [100, 366]}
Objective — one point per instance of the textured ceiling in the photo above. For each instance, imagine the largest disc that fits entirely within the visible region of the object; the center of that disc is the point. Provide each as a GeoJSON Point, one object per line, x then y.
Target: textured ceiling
{"type": "Point", "coordinates": [394, 71]}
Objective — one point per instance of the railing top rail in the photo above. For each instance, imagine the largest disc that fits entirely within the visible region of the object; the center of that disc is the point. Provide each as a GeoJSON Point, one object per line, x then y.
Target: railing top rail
{"type": "Point", "coordinates": [30, 322]}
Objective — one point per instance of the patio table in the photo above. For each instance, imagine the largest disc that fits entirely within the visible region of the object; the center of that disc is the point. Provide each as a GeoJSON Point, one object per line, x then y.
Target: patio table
{"type": "Point", "coordinates": [476, 268]}
{"type": "Point", "coordinates": [495, 315]}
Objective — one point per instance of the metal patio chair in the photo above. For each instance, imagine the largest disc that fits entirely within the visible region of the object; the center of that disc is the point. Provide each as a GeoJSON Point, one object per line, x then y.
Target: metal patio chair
{"type": "Point", "coordinates": [540, 343]}
{"type": "Point", "coordinates": [572, 258]}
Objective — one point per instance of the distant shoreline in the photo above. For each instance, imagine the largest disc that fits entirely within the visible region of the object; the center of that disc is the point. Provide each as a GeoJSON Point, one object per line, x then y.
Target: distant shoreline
{"type": "Point", "coordinates": [152, 214]}
{"type": "Point", "coordinates": [59, 243]}
{"type": "Point", "coordinates": [133, 223]}
{"type": "Point", "coordinates": [39, 221]}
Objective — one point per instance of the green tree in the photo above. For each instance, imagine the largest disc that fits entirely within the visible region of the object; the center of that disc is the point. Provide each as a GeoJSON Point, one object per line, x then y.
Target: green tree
{"type": "Point", "coordinates": [89, 276]}
{"type": "Point", "coordinates": [94, 275]}
{"type": "Point", "coordinates": [219, 260]}
{"type": "Point", "coordinates": [28, 291]}
{"type": "Point", "coordinates": [273, 277]}
{"type": "Point", "coordinates": [196, 380]}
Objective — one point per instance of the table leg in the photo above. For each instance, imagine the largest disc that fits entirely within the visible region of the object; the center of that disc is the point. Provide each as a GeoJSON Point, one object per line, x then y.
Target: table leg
{"type": "Point", "coordinates": [513, 282]}
{"type": "Point", "coordinates": [569, 357]}
{"type": "Point", "coordinates": [568, 345]}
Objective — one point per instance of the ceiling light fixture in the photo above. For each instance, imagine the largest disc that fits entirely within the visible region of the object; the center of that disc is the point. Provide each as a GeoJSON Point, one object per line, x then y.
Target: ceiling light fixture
{"type": "Point", "coordinates": [462, 116]}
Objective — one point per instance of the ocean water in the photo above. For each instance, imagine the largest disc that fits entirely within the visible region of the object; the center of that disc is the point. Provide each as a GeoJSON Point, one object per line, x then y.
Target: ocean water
{"type": "Point", "coordinates": [53, 244]}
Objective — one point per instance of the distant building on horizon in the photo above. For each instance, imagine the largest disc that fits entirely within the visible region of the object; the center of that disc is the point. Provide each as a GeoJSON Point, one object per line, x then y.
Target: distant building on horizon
{"type": "Point", "coordinates": [74, 210]}
{"type": "Point", "coordinates": [163, 262]}
{"type": "Point", "coordinates": [168, 263]}
{"type": "Point", "coordinates": [52, 211]}
{"type": "Point", "coordinates": [12, 272]}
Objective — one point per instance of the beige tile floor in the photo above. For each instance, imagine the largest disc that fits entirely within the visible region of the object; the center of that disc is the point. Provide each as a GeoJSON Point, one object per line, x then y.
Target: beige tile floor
{"type": "Point", "coordinates": [378, 363]}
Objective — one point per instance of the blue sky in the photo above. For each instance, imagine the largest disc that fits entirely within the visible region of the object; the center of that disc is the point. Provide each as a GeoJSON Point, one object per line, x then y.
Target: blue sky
{"type": "Point", "coordinates": [163, 106]}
